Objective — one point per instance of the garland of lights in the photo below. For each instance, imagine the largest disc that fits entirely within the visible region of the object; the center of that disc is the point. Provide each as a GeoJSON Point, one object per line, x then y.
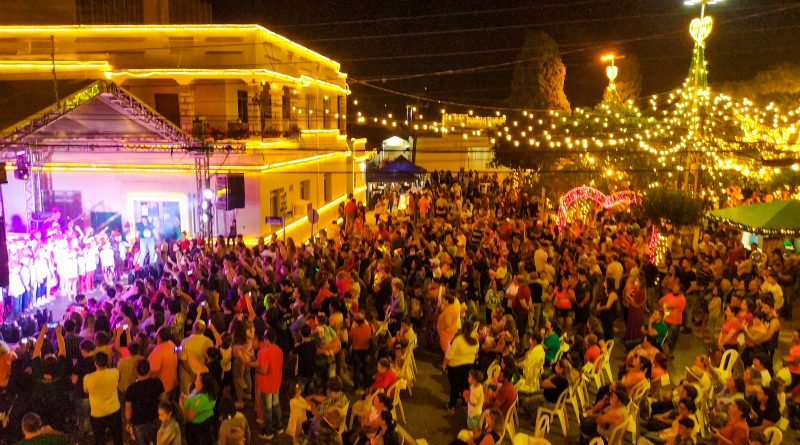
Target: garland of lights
{"type": "Point", "coordinates": [592, 194]}
{"type": "Point", "coordinates": [657, 246]}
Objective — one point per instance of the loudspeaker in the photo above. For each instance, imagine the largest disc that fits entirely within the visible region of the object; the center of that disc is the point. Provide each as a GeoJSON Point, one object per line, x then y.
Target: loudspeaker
{"type": "Point", "coordinates": [3, 176]}
{"type": "Point", "coordinates": [230, 191]}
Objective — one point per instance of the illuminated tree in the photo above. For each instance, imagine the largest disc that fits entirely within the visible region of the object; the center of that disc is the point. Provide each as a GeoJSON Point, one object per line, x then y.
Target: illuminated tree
{"type": "Point", "coordinates": [538, 81]}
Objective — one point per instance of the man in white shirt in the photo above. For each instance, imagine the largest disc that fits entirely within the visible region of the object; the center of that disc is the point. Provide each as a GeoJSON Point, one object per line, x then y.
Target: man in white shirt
{"type": "Point", "coordinates": [101, 386]}
{"type": "Point", "coordinates": [194, 346]}
{"type": "Point", "coordinates": [539, 258]}
{"type": "Point", "coordinates": [614, 270]}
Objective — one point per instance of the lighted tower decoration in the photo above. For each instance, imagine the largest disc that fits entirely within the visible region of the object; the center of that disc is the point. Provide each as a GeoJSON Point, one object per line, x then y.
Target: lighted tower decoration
{"type": "Point", "coordinates": [612, 70]}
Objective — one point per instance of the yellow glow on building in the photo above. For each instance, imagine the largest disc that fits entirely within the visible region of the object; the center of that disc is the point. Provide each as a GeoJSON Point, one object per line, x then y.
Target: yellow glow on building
{"type": "Point", "coordinates": [137, 30]}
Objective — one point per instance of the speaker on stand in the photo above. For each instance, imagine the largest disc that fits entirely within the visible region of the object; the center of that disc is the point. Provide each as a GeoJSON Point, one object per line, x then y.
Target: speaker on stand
{"type": "Point", "coordinates": [3, 244]}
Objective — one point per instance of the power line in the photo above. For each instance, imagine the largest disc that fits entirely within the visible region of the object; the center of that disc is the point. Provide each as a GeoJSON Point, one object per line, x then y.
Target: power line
{"type": "Point", "coordinates": [519, 26]}
{"type": "Point", "coordinates": [446, 14]}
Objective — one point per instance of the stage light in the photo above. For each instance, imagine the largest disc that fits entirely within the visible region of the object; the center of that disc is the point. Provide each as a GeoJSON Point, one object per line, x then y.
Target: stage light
{"type": "Point", "coordinates": [205, 217]}
{"type": "Point", "coordinates": [208, 194]}
{"type": "Point", "coordinates": [204, 205]}
{"type": "Point", "coordinates": [22, 166]}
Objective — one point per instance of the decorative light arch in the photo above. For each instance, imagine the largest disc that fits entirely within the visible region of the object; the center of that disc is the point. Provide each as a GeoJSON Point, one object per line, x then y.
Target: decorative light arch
{"type": "Point", "coordinates": [596, 196]}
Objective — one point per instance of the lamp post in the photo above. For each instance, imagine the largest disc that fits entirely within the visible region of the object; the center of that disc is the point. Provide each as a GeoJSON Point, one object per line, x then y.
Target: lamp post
{"type": "Point", "coordinates": [612, 70]}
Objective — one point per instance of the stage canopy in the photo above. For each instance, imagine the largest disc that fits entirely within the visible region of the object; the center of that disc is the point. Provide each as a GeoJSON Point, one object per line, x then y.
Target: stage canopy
{"type": "Point", "coordinates": [398, 170]}
{"type": "Point", "coordinates": [776, 219]}
{"type": "Point", "coordinates": [90, 114]}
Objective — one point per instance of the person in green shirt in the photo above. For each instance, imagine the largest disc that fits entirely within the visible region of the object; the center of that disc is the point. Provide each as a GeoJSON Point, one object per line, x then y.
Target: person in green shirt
{"type": "Point", "coordinates": [198, 408]}
{"type": "Point", "coordinates": [551, 341]}
{"type": "Point", "coordinates": [36, 434]}
{"type": "Point", "coordinates": [656, 328]}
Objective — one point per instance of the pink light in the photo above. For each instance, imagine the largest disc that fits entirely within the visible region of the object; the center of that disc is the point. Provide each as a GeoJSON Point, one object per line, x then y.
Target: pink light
{"type": "Point", "coordinates": [596, 196]}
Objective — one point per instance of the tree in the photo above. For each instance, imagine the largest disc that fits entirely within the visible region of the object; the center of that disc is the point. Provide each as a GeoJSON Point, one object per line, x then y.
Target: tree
{"type": "Point", "coordinates": [628, 82]}
{"type": "Point", "coordinates": [672, 206]}
{"type": "Point", "coordinates": [538, 81]}
{"type": "Point", "coordinates": [779, 84]}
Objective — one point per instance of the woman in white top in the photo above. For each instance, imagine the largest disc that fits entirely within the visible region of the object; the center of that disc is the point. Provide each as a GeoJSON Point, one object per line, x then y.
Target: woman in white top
{"type": "Point", "coordinates": [459, 359]}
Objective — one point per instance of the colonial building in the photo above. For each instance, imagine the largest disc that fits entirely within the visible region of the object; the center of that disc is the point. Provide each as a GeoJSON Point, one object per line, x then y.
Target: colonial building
{"type": "Point", "coordinates": [120, 121]}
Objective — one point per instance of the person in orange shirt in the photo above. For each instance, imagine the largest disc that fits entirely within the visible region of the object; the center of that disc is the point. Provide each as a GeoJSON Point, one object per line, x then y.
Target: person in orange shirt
{"type": "Point", "coordinates": [447, 323]}
{"type": "Point", "coordinates": [360, 335]}
{"type": "Point", "coordinates": [793, 361]}
{"type": "Point", "coordinates": [164, 360]}
{"type": "Point", "coordinates": [424, 206]}
{"type": "Point", "coordinates": [673, 304]}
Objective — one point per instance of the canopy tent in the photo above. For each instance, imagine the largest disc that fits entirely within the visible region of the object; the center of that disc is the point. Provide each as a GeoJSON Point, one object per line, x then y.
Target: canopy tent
{"type": "Point", "coordinates": [398, 170]}
{"type": "Point", "coordinates": [777, 218]}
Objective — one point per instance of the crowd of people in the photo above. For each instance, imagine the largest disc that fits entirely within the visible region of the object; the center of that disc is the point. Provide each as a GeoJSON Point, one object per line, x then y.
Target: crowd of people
{"type": "Point", "coordinates": [296, 336]}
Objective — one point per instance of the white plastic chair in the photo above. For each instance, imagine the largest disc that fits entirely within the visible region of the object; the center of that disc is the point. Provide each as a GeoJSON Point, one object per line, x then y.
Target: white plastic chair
{"type": "Point", "coordinates": [343, 425]}
{"type": "Point", "coordinates": [594, 372]}
{"type": "Point", "coordinates": [542, 427]}
{"type": "Point", "coordinates": [774, 435]}
{"type": "Point", "coordinates": [558, 410]}
{"type": "Point", "coordinates": [511, 422]}
{"type": "Point", "coordinates": [606, 368]}
{"type": "Point", "coordinates": [618, 433]}
{"type": "Point", "coordinates": [361, 409]}
{"type": "Point", "coordinates": [397, 403]}
{"type": "Point", "coordinates": [726, 364]}
{"type": "Point", "coordinates": [524, 439]}
{"type": "Point", "coordinates": [530, 382]}
{"type": "Point", "coordinates": [492, 372]}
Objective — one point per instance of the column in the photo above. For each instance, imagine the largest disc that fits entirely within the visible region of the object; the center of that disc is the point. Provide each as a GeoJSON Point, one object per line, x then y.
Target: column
{"type": "Point", "coordinates": [186, 107]}
{"type": "Point", "coordinates": [254, 104]}
{"type": "Point", "coordinates": [277, 123]}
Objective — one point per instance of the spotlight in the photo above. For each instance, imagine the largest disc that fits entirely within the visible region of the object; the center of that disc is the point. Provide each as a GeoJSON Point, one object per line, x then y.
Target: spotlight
{"type": "Point", "coordinates": [22, 166]}
{"type": "Point", "coordinates": [208, 194]}
{"type": "Point", "coordinates": [205, 217]}
{"type": "Point", "coordinates": [204, 205]}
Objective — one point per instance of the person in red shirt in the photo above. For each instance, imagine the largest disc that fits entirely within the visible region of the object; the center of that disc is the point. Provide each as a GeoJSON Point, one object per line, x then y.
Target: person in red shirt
{"type": "Point", "coordinates": [521, 304]}
{"type": "Point", "coordinates": [269, 373]}
{"type": "Point", "coordinates": [504, 396]}
{"type": "Point", "coordinates": [384, 378]}
{"type": "Point", "coordinates": [350, 211]}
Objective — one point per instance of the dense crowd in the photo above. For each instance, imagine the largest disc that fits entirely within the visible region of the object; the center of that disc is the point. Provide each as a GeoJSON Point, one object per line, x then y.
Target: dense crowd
{"type": "Point", "coordinates": [295, 336]}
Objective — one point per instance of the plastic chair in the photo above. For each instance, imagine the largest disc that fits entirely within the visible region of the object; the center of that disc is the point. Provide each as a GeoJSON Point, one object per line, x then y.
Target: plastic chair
{"type": "Point", "coordinates": [561, 350]}
{"type": "Point", "coordinates": [397, 403]}
{"type": "Point", "coordinates": [530, 382]}
{"type": "Point", "coordinates": [618, 433]}
{"type": "Point", "coordinates": [492, 372]}
{"type": "Point", "coordinates": [542, 427]}
{"type": "Point", "coordinates": [594, 372]}
{"type": "Point", "coordinates": [524, 439]}
{"type": "Point", "coordinates": [597, 441]}
{"type": "Point", "coordinates": [558, 410]}
{"type": "Point", "coordinates": [726, 364]}
{"type": "Point", "coordinates": [342, 426]}
{"type": "Point", "coordinates": [511, 421]}
{"type": "Point", "coordinates": [774, 435]}
{"type": "Point", "coordinates": [406, 438]}
{"type": "Point", "coordinates": [606, 368]}
{"type": "Point", "coordinates": [360, 410]}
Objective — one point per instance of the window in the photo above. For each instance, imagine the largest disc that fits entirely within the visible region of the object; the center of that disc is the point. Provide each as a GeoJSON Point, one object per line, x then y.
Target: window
{"type": "Point", "coordinates": [326, 187]}
{"type": "Point", "coordinates": [326, 112]}
{"type": "Point", "coordinates": [241, 101]}
{"type": "Point", "coordinates": [277, 202]}
{"type": "Point", "coordinates": [286, 104]}
{"type": "Point", "coordinates": [305, 189]}
{"type": "Point", "coordinates": [167, 105]}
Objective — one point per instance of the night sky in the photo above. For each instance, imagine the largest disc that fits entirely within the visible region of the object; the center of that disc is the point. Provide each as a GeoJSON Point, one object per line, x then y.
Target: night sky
{"type": "Point", "coordinates": [377, 39]}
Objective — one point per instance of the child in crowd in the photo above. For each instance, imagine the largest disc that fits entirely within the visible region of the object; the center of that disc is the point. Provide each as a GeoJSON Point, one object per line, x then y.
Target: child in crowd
{"type": "Point", "coordinates": [298, 407]}
{"type": "Point", "coordinates": [474, 398]}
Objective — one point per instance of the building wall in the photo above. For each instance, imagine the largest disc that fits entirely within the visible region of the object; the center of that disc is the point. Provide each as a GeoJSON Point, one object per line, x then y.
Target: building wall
{"type": "Point", "coordinates": [113, 192]}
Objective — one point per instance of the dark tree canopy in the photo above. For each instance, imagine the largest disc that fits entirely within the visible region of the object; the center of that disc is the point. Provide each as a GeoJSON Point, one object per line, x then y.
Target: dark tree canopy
{"type": "Point", "coordinates": [538, 81]}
